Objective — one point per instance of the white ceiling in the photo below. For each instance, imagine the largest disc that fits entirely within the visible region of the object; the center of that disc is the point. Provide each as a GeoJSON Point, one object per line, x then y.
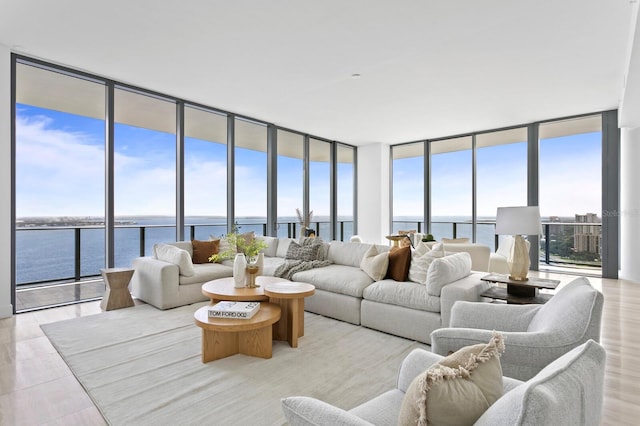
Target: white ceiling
{"type": "Point", "coordinates": [428, 68]}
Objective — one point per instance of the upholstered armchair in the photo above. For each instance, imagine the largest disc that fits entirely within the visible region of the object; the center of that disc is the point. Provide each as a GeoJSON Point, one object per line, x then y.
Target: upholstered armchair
{"type": "Point", "coordinates": [569, 391]}
{"type": "Point", "coordinates": [534, 335]}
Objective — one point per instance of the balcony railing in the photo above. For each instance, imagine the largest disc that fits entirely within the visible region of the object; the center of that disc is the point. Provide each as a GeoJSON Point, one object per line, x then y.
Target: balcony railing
{"type": "Point", "coordinates": [565, 244]}
{"type": "Point", "coordinates": [46, 255]}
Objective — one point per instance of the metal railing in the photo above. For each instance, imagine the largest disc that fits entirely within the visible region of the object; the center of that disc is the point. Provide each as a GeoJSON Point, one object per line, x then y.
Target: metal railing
{"type": "Point", "coordinates": [75, 252]}
{"type": "Point", "coordinates": [557, 244]}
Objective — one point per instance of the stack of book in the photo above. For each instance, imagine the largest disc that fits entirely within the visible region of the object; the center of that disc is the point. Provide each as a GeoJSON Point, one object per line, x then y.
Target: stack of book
{"type": "Point", "coordinates": [243, 310]}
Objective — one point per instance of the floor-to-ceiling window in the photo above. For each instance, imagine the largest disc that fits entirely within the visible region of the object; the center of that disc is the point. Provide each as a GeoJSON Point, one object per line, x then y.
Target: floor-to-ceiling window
{"type": "Point", "coordinates": [345, 165]}
{"type": "Point", "coordinates": [571, 192]}
{"type": "Point", "coordinates": [250, 176]}
{"type": "Point", "coordinates": [59, 185]}
{"type": "Point", "coordinates": [320, 186]}
{"type": "Point", "coordinates": [290, 183]}
{"type": "Point", "coordinates": [451, 188]}
{"type": "Point", "coordinates": [205, 173]}
{"type": "Point", "coordinates": [501, 177]}
{"type": "Point", "coordinates": [68, 125]}
{"type": "Point", "coordinates": [408, 187]}
{"type": "Point", "coordinates": [144, 172]}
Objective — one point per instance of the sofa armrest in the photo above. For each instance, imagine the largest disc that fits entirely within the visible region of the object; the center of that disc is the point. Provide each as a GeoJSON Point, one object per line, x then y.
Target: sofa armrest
{"type": "Point", "coordinates": [155, 281]}
{"type": "Point", "coordinates": [492, 316]}
{"type": "Point", "coordinates": [467, 289]}
{"type": "Point", "coordinates": [305, 411]}
{"type": "Point", "coordinates": [415, 363]}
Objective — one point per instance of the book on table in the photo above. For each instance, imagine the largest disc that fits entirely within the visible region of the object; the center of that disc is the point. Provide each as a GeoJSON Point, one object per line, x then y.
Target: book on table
{"type": "Point", "coordinates": [243, 310]}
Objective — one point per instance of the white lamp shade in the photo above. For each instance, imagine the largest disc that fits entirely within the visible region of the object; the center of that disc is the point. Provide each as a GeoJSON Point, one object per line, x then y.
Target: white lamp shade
{"type": "Point", "coordinates": [523, 220]}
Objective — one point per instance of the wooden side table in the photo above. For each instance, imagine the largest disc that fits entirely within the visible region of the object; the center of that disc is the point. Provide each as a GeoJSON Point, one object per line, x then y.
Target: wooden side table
{"type": "Point", "coordinates": [519, 292]}
{"type": "Point", "coordinates": [290, 296]}
{"type": "Point", "coordinates": [117, 293]}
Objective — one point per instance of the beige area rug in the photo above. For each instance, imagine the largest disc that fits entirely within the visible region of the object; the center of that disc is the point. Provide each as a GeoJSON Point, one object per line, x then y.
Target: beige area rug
{"type": "Point", "coordinates": [143, 366]}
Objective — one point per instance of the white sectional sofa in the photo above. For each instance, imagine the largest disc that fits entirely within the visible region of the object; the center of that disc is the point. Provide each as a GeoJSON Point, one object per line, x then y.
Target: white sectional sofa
{"type": "Point", "coordinates": [343, 290]}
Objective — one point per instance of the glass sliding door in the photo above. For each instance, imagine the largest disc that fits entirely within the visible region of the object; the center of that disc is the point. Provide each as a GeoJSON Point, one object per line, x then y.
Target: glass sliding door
{"type": "Point", "coordinates": [345, 192]}
{"type": "Point", "coordinates": [205, 173]}
{"type": "Point", "coordinates": [320, 186]}
{"type": "Point", "coordinates": [571, 192]}
{"type": "Point", "coordinates": [408, 187]}
{"type": "Point", "coordinates": [59, 170]}
{"type": "Point", "coordinates": [290, 182]}
{"type": "Point", "coordinates": [501, 178]}
{"type": "Point", "coordinates": [144, 173]}
{"type": "Point", "coordinates": [251, 176]}
{"type": "Point", "coordinates": [451, 188]}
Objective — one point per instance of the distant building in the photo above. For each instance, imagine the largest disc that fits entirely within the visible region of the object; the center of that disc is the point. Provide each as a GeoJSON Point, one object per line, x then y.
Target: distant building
{"type": "Point", "coordinates": [586, 238]}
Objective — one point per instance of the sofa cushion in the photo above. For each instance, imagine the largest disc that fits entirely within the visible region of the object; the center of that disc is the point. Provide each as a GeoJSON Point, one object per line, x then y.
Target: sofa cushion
{"type": "Point", "coordinates": [456, 390]}
{"type": "Point", "coordinates": [407, 294]}
{"type": "Point", "coordinates": [184, 245]}
{"type": "Point", "coordinates": [446, 270]}
{"type": "Point", "coordinates": [455, 240]}
{"type": "Point", "coordinates": [270, 265]}
{"type": "Point", "coordinates": [375, 264]}
{"type": "Point", "coordinates": [206, 272]}
{"type": "Point", "coordinates": [348, 254]}
{"type": "Point", "coordinates": [203, 250]}
{"type": "Point", "coordinates": [340, 279]}
{"type": "Point", "coordinates": [272, 245]}
{"type": "Point", "coordinates": [283, 246]}
{"type": "Point", "coordinates": [172, 254]}
{"type": "Point", "coordinates": [399, 261]}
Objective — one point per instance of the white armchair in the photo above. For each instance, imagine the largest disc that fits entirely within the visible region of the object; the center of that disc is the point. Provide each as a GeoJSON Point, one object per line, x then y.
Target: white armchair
{"type": "Point", "coordinates": [534, 335]}
{"type": "Point", "coordinates": [569, 391]}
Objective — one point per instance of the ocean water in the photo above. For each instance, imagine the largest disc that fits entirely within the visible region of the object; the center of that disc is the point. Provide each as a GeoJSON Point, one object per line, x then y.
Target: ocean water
{"type": "Point", "coordinates": [49, 254]}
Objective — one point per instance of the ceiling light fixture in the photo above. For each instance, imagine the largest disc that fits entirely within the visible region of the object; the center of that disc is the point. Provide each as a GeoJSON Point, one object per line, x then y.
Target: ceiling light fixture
{"type": "Point", "coordinates": [355, 76]}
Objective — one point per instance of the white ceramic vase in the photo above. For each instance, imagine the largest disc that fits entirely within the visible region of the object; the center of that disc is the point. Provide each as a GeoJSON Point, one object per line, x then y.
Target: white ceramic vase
{"type": "Point", "coordinates": [239, 266]}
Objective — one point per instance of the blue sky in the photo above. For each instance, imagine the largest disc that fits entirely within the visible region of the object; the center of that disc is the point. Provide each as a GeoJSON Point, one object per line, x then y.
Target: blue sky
{"type": "Point", "coordinates": [60, 172]}
{"type": "Point", "coordinates": [570, 179]}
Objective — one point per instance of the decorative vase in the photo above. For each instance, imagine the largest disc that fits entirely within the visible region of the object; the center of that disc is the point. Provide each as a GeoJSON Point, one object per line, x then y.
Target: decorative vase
{"type": "Point", "coordinates": [250, 278]}
{"type": "Point", "coordinates": [260, 263]}
{"type": "Point", "coordinates": [239, 270]}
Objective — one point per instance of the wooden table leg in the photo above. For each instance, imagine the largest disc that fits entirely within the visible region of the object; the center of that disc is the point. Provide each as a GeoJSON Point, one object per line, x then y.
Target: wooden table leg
{"type": "Point", "coordinates": [216, 345]}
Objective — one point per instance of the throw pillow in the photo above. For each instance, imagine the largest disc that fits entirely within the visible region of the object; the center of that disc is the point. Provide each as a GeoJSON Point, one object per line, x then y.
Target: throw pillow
{"type": "Point", "coordinates": [179, 257]}
{"type": "Point", "coordinates": [446, 270]}
{"type": "Point", "coordinates": [458, 389]}
{"type": "Point", "coordinates": [455, 240]}
{"type": "Point", "coordinates": [203, 250]}
{"type": "Point", "coordinates": [375, 264]}
{"type": "Point", "coordinates": [399, 261]}
{"type": "Point", "coordinates": [298, 252]}
{"type": "Point", "coordinates": [309, 241]}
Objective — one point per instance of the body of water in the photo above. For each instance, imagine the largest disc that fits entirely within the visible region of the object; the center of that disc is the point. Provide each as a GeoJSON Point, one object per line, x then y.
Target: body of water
{"type": "Point", "coordinates": [49, 254]}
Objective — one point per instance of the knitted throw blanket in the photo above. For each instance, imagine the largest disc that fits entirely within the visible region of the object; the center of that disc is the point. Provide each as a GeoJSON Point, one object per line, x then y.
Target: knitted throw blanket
{"type": "Point", "coordinates": [291, 266]}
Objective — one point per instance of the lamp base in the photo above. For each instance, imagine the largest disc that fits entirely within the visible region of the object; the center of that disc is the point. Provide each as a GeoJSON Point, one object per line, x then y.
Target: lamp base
{"type": "Point", "coordinates": [512, 278]}
{"type": "Point", "coordinates": [518, 260]}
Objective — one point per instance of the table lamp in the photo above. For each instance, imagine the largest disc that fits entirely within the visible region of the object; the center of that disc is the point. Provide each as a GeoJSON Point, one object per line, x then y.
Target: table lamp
{"type": "Point", "coordinates": [518, 221]}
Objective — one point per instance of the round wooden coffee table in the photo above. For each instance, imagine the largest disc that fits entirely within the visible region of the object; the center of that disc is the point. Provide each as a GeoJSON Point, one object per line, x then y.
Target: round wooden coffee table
{"type": "Point", "coordinates": [223, 337]}
{"type": "Point", "coordinates": [290, 296]}
{"type": "Point", "coordinates": [223, 289]}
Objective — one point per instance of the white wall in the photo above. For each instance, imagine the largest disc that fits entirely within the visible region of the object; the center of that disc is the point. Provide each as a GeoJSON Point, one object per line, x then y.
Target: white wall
{"type": "Point", "coordinates": [373, 193]}
{"type": "Point", "coordinates": [629, 118]}
{"type": "Point", "coordinates": [630, 204]}
{"type": "Point", "coordinates": [6, 308]}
